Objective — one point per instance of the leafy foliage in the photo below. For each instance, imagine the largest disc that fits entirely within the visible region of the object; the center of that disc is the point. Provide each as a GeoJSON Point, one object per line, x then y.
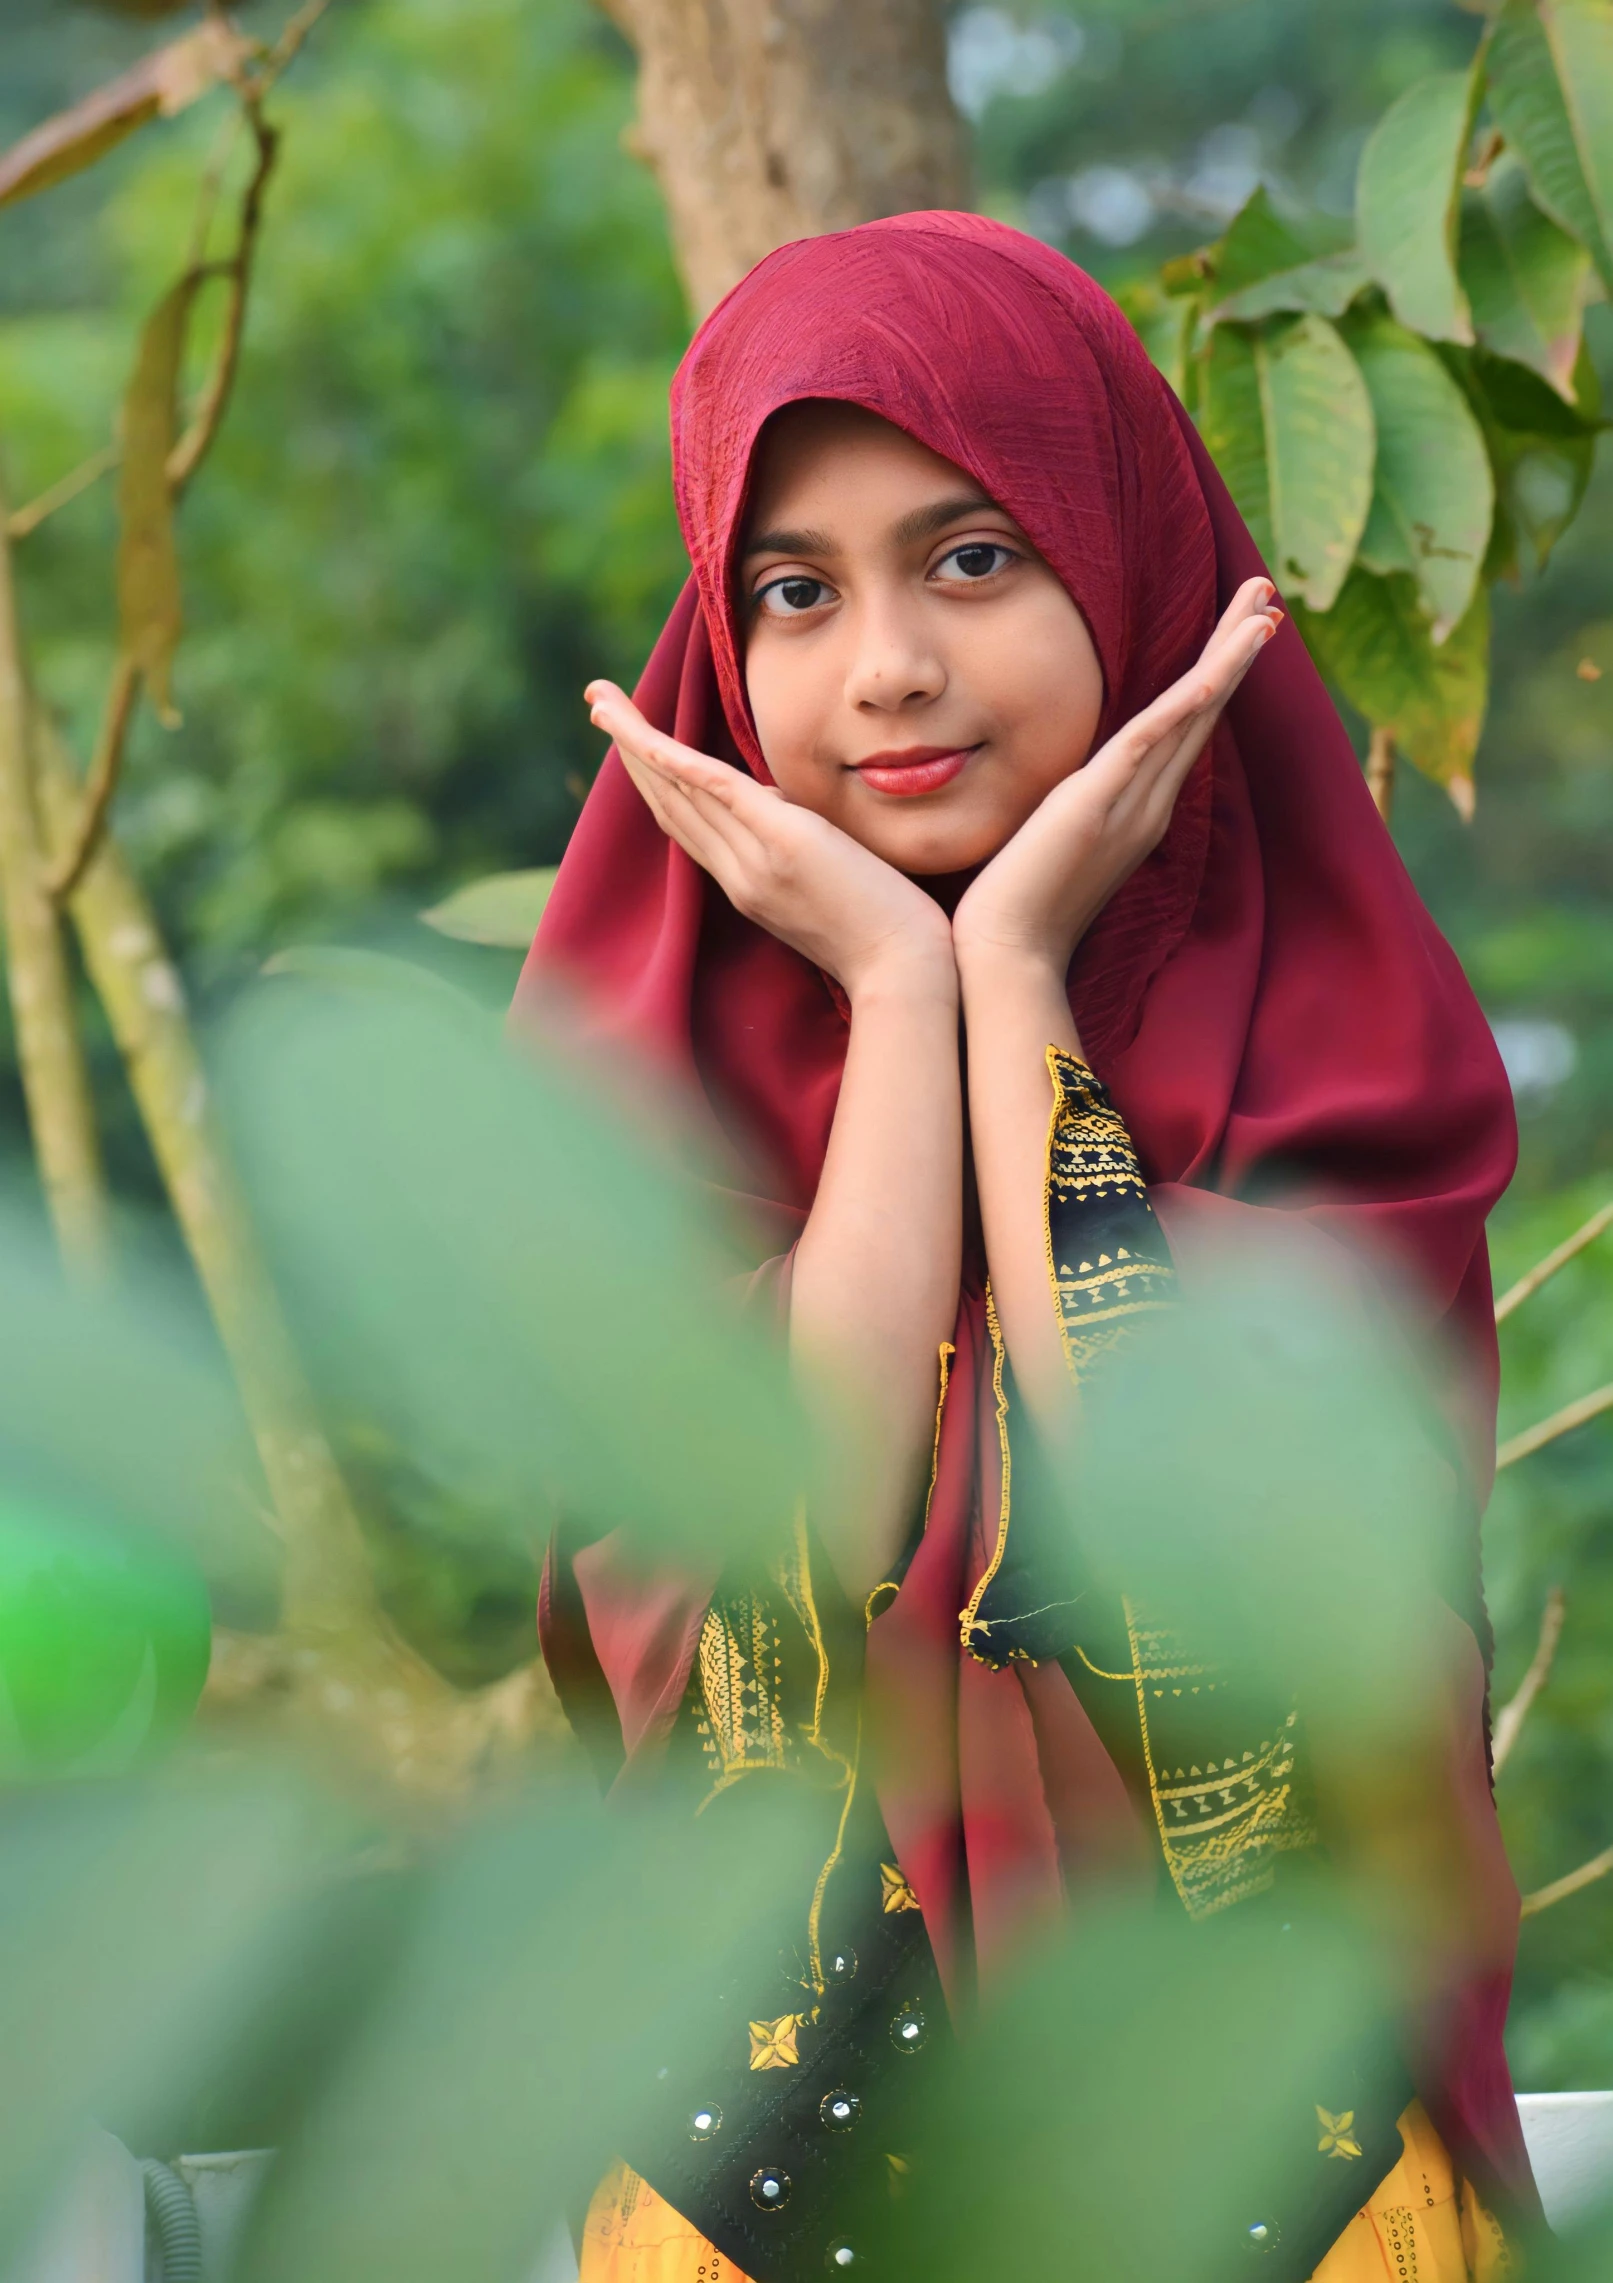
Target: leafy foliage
{"type": "Point", "coordinates": [1324, 379]}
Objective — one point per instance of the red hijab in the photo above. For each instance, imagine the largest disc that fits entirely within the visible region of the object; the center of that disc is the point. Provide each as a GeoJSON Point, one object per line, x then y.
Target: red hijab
{"type": "Point", "coordinates": [1268, 1001]}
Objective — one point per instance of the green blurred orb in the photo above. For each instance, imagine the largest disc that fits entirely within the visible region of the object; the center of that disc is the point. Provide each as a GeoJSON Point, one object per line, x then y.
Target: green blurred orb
{"type": "Point", "coordinates": [104, 1644]}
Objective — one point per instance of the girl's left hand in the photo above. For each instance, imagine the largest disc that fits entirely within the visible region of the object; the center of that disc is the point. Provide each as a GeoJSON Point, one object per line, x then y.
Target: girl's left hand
{"type": "Point", "coordinates": [1037, 897]}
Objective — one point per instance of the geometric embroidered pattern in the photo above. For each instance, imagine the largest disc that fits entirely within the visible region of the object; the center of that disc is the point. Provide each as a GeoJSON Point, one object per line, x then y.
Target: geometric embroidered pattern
{"type": "Point", "coordinates": [1106, 1254]}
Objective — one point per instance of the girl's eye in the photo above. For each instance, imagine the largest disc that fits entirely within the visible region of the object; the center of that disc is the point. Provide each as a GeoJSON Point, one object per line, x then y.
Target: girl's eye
{"type": "Point", "coordinates": [792, 597]}
{"type": "Point", "coordinates": [976, 559]}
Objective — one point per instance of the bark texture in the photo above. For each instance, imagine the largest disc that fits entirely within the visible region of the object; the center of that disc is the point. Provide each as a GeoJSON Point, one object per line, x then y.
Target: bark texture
{"type": "Point", "coordinates": [767, 120]}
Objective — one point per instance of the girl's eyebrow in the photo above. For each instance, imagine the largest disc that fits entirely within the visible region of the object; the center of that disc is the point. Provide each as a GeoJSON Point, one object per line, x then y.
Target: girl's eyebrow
{"type": "Point", "coordinates": [922, 523]}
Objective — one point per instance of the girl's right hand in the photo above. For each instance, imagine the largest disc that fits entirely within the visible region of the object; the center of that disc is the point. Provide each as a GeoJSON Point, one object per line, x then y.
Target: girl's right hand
{"type": "Point", "coordinates": [784, 867]}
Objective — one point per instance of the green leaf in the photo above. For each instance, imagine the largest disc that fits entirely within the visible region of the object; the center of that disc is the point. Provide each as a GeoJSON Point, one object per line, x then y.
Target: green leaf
{"type": "Point", "coordinates": [1376, 646]}
{"type": "Point", "coordinates": [150, 614]}
{"type": "Point", "coordinates": [1542, 450]}
{"type": "Point", "coordinates": [505, 908]}
{"type": "Point", "coordinates": [1163, 323]}
{"type": "Point", "coordinates": [1288, 421]}
{"type": "Point", "coordinates": [1550, 69]}
{"type": "Point", "coordinates": [1258, 243]}
{"type": "Point", "coordinates": [1525, 278]}
{"type": "Point", "coordinates": [1326, 287]}
{"type": "Point", "coordinates": [1406, 203]}
{"type": "Point", "coordinates": [1433, 498]}
{"type": "Point", "coordinates": [1233, 426]}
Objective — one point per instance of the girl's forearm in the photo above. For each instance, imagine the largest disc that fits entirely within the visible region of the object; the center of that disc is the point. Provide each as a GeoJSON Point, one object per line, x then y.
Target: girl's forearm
{"type": "Point", "coordinates": [875, 1285]}
{"type": "Point", "coordinates": [1015, 1006]}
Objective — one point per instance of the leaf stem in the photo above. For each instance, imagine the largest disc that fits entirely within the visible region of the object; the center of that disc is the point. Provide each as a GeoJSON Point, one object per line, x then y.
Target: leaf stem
{"type": "Point", "coordinates": [22, 520]}
{"type": "Point", "coordinates": [64, 875]}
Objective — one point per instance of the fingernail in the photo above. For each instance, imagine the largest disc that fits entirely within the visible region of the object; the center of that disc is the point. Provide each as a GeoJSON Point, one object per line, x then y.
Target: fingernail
{"type": "Point", "coordinates": [1277, 618]}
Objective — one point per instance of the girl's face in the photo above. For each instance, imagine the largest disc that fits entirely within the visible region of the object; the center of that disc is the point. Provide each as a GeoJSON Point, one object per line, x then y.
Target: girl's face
{"type": "Point", "coordinates": [916, 673]}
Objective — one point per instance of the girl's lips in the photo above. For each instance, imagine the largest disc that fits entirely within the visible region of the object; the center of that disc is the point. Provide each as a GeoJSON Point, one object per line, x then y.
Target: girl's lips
{"type": "Point", "coordinates": [925, 770]}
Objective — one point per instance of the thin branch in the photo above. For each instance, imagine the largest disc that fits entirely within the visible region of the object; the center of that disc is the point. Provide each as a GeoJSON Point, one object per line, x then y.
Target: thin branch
{"type": "Point", "coordinates": [1381, 771]}
{"type": "Point", "coordinates": [1560, 1889]}
{"type": "Point", "coordinates": [192, 448]}
{"type": "Point", "coordinates": [284, 51]}
{"type": "Point", "coordinates": [65, 874]}
{"type": "Point", "coordinates": [22, 520]}
{"type": "Point", "coordinates": [1527, 1286]}
{"type": "Point", "coordinates": [1511, 1717]}
{"type": "Point", "coordinates": [1561, 1422]}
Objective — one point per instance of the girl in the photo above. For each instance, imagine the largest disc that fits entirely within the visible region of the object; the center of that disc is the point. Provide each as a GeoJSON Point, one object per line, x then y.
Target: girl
{"type": "Point", "coordinates": [982, 846]}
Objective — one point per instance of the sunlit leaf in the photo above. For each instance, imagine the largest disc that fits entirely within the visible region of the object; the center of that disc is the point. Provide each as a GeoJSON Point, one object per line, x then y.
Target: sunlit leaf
{"type": "Point", "coordinates": [1377, 645]}
{"type": "Point", "coordinates": [1524, 277]}
{"type": "Point", "coordinates": [1233, 423]}
{"type": "Point", "coordinates": [1287, 418]}
{"type": "Point", "coordinates": [504, 909]}
{"type": "Point", "coordinates": [1433, 496]}
{"type": "Point", "coordinates": [150, 612]}
{"type": "Point", "coordinates": [338, 966]}
{"type": "Point", "coordinates": [1550, 65]}
{"type": "Point", "coordinates": [1407, 198]}
{"type": "Point", "coordinates": [159, 85]}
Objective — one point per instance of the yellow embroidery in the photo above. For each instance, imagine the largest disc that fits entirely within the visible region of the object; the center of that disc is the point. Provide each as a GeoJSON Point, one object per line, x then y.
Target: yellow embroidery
{"type": "Point", "coordinates": [1090, 1154]}
{"type": "Point", "coordinates": [894, 1891]}
{"type": "Point", "coordinates": [738, 1714]}
{"type": "Point", "coordinates": [1338, 2133]}
{"type": "Point", "coordinates": [1221, 1824]}
{"type": "Point", "coordinates": [968, 1618]}
{"type": "Point", "coordinates": [773, 2043]}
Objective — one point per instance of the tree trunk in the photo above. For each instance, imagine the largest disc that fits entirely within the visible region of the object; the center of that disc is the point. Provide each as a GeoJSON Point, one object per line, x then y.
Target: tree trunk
{"type": "Point", "coordinates": [767, 120]}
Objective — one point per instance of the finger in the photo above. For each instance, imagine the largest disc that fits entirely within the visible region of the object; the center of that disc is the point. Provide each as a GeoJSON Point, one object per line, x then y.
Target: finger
{"type": "Point", "coordinates": [620, 718]}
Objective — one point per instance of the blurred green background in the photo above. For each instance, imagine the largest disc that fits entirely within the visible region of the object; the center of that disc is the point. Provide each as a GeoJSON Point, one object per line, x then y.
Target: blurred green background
{"type": "Point", "coordinates": [440, 503]}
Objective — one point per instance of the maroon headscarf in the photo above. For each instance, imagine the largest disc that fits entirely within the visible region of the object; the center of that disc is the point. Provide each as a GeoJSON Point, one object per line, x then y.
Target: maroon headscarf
{"type": "Point", "coordinates": [1268, 1001]}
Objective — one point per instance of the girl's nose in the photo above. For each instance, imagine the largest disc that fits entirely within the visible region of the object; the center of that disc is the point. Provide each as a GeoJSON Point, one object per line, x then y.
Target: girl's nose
{"type": "Point", "coordinates": [894, 663]}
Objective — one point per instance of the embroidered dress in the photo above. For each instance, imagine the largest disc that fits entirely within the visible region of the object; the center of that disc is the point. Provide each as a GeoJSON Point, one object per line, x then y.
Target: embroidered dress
{"type": "Point", "coordinates": [1294, 1048]}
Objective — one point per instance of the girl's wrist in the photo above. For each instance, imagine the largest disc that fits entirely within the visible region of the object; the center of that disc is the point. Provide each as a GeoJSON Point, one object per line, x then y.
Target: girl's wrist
{"type": "Point", "coordinates": [907, 974]}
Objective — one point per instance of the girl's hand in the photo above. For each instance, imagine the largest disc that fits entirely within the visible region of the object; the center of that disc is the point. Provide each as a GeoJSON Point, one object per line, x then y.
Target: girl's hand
{"type": "Point", "coordinates": [787, 869]}
{"type": "Point", "coordinates": [1037, 897]}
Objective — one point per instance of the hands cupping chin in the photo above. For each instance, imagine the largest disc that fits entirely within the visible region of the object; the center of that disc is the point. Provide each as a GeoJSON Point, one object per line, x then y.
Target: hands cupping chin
{"type": "Point", "coordinates": [818, 890]}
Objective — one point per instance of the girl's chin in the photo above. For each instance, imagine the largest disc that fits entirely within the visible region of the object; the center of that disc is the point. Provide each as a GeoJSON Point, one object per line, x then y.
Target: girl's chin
{"type": "Point", "coordinates": [937, 853]}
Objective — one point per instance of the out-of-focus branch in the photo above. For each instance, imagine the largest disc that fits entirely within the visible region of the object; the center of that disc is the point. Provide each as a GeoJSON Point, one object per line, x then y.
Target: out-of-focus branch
{"type": "Point", "coordinates": [193, 446]}
{"type": "Point", "coordinates": [50, 1052]}
{"type": "Point", "coordinates": [328, 1584]}
{"type": "Point", "coordinates": [1381, 771]}
{"type": "Point", "coordinates": [1543, 1271]}
{"type": "Point", "coordinates": [1512, 1715]}
{"type": "Point", "coordinates": [1560, 1889]}
{"type": "Point", "coordinates": [1561, 1422]}
{"type": "Point", "coordinates": [28, 518]}
{"type": "Point", "coordinates": [68, 870]}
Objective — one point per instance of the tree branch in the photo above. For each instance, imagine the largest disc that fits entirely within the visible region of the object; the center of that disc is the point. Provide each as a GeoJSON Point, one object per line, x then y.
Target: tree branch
{"type": "Point", "coordinates": [66, 873]}
{"type": "Point", "coordinates": [50, 1052]}
{"type": "Point", "coordinates": [1540, 1274]}
{"type": "Point", "coordinates": [1560, 1889]}
{"type": "Point", "coordinates": [192, 448]}
{"type": "Point", "coordinates": [1512, 1715]}
{"type": "Point", "coordinates": [22, 520]}
{"type": "Point", "coordinates": [1561, 1422]}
